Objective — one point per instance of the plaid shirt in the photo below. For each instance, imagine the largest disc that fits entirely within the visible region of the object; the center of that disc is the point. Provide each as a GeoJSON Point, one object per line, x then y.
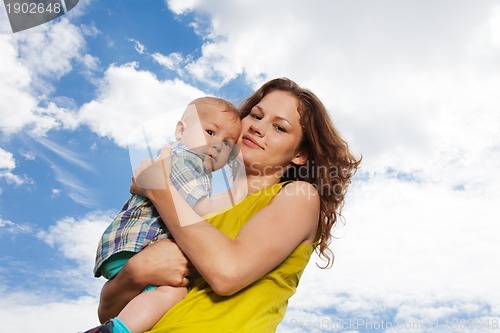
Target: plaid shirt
{"type": "Point", "coordinates": [138, 223]}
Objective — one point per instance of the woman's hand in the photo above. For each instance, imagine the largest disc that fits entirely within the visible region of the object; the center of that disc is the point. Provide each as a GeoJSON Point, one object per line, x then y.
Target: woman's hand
{"type": "Point", "coordinates": [152, 174]}
{"type": "Point", "coordinates": [161, 263]}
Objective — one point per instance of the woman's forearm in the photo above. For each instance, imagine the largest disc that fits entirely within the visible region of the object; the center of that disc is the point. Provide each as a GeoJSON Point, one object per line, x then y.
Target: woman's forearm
{"type": "Point", "coordinates": [263, 243]}
{"type": "Point", "coordinates": [209, 250]}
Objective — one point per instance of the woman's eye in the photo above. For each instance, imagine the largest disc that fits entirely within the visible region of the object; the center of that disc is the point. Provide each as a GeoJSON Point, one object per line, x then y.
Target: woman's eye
{"type": "Point", "coordinates": [210, 132]}
{"type": "Point", "coordinates": [255, 116]}
{"type": "Point", "coordinates": [280, 128]}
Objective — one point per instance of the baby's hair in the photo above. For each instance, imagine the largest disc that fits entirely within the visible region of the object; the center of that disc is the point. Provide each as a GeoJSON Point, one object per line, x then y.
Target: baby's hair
{"type": "Point", "coordinates": [216, 100]}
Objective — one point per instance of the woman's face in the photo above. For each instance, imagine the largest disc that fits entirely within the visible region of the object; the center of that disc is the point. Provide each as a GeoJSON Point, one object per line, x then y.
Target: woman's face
{"type": "Point", "coordinates": [271, 134]}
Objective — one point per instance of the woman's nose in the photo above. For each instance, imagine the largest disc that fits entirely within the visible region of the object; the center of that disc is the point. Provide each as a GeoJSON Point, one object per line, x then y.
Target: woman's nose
{"type": "Point", "coordinates": [257, 129]}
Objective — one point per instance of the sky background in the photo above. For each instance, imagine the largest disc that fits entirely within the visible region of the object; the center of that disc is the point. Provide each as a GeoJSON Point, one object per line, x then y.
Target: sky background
{"type": "Point", "coordinates": [412, 86]}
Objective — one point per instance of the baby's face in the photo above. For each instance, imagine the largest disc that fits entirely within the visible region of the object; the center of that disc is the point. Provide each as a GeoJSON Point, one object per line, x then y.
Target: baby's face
{"type": "Point", "coordinates": [214, 134]}
{"type": "Point", "coordinates": [221, 133]}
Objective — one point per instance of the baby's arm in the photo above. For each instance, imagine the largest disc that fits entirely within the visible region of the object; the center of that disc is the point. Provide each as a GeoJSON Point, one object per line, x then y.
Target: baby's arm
{"type": "Point", "coordinates": [193, 184]}
{"type": "Point", "coordinates": [229, 198]}
{"type": "Point", "coordinates": [146, 309]}
{"type": "Point", "coordinates": [212, 204]}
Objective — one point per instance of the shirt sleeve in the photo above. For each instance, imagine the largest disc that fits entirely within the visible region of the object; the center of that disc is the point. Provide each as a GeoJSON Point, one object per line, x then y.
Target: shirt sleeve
{"type": "Point", "coordinates": [190, 179]}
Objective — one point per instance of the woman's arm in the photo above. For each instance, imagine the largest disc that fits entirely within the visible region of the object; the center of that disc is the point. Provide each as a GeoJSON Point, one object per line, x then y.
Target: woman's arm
{"type": "Point", "coordinates": [267, 239]}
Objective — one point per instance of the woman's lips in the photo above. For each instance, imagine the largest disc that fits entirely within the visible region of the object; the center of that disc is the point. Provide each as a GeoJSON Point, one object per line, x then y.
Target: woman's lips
{"type": "Point", "coordinates": [249, 141]}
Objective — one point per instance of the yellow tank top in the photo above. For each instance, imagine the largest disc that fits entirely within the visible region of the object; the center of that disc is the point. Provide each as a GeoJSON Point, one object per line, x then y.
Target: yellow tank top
{"type": "Point", "coordinates": [257, 308]}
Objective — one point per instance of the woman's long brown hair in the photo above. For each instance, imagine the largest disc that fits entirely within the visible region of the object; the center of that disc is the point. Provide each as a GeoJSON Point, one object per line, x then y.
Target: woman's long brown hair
{"type": "Point", "coordinates": [330, 164]}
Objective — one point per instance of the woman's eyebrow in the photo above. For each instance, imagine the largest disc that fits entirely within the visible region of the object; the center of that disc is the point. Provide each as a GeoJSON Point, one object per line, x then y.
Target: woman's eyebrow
{"type": "Point", "coordinates": [276, 117]}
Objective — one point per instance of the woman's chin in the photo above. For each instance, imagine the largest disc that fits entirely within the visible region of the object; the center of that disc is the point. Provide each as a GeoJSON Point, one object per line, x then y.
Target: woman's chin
{"type": "Point", "coordinates": [251, 156]}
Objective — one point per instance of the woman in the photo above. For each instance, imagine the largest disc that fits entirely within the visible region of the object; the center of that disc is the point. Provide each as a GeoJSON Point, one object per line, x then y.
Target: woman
{"type": "Point", "coordinates": [250, 257]}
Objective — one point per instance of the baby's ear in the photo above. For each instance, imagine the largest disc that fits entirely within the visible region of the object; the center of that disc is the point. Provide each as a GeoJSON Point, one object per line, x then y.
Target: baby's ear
{"type": "Point", "coordinates": [179, 129]}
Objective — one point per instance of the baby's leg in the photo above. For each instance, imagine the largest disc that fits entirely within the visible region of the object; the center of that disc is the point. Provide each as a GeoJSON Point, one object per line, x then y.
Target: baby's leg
{"type": "Point", "coordinates": [146, 309]}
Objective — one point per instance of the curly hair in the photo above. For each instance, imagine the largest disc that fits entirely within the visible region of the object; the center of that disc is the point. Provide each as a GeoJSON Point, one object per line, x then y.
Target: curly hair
{"type": "Point", "coordinates": [330, 165]}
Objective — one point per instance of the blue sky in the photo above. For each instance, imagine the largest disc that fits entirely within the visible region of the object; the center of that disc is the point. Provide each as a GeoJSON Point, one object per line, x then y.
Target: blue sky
{"type": "Point", "coordinates": [411, 85]}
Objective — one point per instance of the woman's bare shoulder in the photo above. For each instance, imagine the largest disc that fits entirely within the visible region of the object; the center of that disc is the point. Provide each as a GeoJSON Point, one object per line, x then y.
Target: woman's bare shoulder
{"type": "Point", "coordinates": [297, 200]}
{"type": "Point", "coordinates": [300, 190]}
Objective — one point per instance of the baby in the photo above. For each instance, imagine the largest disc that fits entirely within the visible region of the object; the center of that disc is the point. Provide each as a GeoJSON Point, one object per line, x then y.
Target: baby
{"type": "Point", "coordinates": [205, 138]}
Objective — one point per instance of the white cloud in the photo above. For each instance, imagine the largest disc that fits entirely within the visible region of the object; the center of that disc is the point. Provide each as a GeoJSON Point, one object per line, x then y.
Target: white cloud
{"type": "Point", "coordinates": [128, 97]}
{"type": "Point", "coordinates": [11, 228]}
{"type": "Point", "coordinates": [4, 22]}
{"type": "Point", "coordinates": [90, 61]}
{"type": "Point", "coordinates": [7, 165]}
{"type": "Point", "coordinates": [43, 309]}
{"type": "Point", "coordinates": [77, 238]}
{"type": "Point", "coordinates": [180, 7]}
{"type": "Point", "coordinates": [7, 160]}
{"type": "Point", "coordinates": [410, 252]}
{"type": "Point", "coordinates": [66, 154]}
{"type": "Point", "coordinates": [29, 312]}
{"type": "Point", "coordinates": [139, 47]}
{"type": "Point", "coordinates": [494, 23]}
{"type": "Point", "coordinates": [16, 102]}
{"type": "Point", "coordinates": [14, 179]}
{"type": "Point", "coordinates": [75, 187]}
{"type": "Point", "coordinates": [48, 50]}
{"type": "Point", "coordinates": [80, 9]}
{"type": "Point", "coordinates": [173, 61]}
{"type": "Point", "coordinates": [29, 61]}
{"type": "Point", "coordinates": [55, 192]}
{"type": "Point", "coordinates": [28, 155]}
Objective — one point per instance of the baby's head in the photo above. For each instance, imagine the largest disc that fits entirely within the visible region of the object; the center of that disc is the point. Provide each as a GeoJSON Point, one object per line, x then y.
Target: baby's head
{"type": "Point", "coordinates": [210, 126]}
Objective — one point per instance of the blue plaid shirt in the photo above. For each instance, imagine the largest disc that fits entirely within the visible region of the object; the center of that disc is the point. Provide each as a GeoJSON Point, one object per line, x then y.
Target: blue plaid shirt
{"type": "Point", "coordinates": [138, 223]}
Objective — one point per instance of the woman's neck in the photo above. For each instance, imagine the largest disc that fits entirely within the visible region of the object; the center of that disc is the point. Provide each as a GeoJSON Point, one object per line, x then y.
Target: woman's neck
{"type": "Point", "coordinates": [242, 186]}
{"type": "Point", "coordinates": [256, 183]}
